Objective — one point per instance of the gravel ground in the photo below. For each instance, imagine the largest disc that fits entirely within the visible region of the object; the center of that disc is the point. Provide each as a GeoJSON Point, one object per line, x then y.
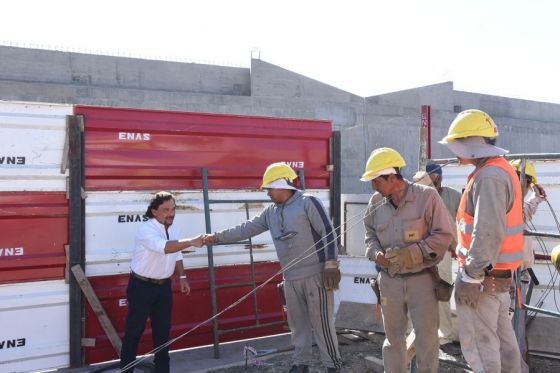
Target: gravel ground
{"type": "Point", "coordinates": [354, 351]}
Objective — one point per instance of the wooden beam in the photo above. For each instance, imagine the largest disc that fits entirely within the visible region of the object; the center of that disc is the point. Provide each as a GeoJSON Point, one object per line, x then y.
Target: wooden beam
{"type": "Point", "coordinates": [98, 309]}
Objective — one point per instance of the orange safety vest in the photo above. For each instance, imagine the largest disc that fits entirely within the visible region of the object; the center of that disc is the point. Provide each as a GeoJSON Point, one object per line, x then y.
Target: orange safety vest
{"type": "Point", "coordinates": [511, 251]}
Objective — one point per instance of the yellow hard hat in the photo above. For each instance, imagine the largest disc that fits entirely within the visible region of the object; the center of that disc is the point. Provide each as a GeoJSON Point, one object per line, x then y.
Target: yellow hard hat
{"type": "Point", "coordinates": [277, 171]}
{"type": "Point", "coordinates": [529, 169]}
{"type": "Point", "coordinates": [381, 159]}
{"type": "Point", "coordinates": [555, 256]}
{"type": "Point", "coordinates": [471, 123]}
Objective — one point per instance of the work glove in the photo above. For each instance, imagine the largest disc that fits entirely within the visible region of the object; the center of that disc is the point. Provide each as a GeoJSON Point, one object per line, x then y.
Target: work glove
{"type": "Point", "coordinates": [467, 293]}
{"type": "Point", "coordinates": [393, 268]}
{"type": "Point", "coordinates": [405, 258]}
{"type": "Point", "coordinates": [331, 275]}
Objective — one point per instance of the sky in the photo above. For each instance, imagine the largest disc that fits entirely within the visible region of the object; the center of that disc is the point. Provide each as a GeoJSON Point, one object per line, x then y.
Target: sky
{"type": "Point", "coordinates": [500, 47]}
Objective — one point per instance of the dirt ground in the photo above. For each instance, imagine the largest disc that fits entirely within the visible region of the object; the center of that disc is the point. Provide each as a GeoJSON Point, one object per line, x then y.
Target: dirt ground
{"type": "Point", "coordinates": [354, 349]}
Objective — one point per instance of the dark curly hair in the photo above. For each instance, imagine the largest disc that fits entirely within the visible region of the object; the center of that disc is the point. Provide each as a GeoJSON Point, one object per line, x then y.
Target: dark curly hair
{"type": "Point", "coordinates": [157, 200]}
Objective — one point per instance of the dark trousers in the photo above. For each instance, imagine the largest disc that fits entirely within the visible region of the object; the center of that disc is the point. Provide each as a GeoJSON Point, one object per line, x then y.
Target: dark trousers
{"type": "Point", "coordinates": [147, 300]}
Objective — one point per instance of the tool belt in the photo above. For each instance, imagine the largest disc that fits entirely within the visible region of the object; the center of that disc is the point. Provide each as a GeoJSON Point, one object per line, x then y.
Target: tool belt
{"type": "Point", "coordinates": [407, 274]}
{"type": "Point", "coordinates": [500, 273]}
{"type": "Point", "coordinates": [497, 281]}
{"type": "Point", "coordinates": [442, 288]}
{"type": "Point", "coordinates": [150, 280]}
{"type": "Point", "coordinates": [375, 287]}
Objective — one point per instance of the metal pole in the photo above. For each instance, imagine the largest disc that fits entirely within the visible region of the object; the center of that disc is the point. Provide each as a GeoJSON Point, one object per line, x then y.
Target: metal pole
{"type": "Point", "coordinates": [251, 327]}
{"type": "Point", "coordinates": [540, 310]}
{"type": "Point", "coordinates": [210, 201]}
{"type": "Point", "coordinates": [427, 123]}
{"type": "Point", "coordinates": [422, 161]}
{"type": "Point", "coordinates": [335, 183]}
{"type": "Point", "coordinates": [540, 234]}
{"type": "Point", "coordinates": [301, 177]}
{"type": "Point", "coordinates": [519, 314]}
{"type": "Point", "coordinates": [76, 218]}
{"type": "Point", "coordinates": [253, 280]}
{"type": "Point", "coordinates": [211, 274]}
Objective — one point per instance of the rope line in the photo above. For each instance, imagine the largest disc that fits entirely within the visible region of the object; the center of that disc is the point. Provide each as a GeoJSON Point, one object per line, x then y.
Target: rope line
{"type": "Point", "coordinates": [362, 214]}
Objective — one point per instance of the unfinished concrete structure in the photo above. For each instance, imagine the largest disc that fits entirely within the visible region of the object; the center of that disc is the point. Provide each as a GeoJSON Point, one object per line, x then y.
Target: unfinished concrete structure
{"type": "Point", "coordinates": [365, 123]}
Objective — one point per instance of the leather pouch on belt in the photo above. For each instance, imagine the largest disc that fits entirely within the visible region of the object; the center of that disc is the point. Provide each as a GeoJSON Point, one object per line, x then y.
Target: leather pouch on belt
{"type": "Point", "coordinates": [375, 288]}
{"type": "Point", "coordinates": [442, 288]}
{"type": "Point", "coordinates": [496, 284]}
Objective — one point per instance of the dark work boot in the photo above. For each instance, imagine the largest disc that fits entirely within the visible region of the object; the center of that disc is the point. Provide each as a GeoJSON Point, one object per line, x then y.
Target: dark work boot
{"type": "Point", "coordinates": [299, 369]}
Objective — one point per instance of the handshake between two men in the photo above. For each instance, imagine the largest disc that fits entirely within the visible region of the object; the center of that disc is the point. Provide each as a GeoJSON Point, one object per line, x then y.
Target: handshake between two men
{"type": "Point", "coordinates": [198, 241]}
{"type": "Point", "coordinates": [201, 240]}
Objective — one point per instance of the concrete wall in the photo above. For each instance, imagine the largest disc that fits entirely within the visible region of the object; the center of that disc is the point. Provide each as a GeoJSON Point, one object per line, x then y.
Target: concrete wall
{"type": "Point", "coordinates": [391, 119]}
{"type": "Point", "coordinates": [85, 71]}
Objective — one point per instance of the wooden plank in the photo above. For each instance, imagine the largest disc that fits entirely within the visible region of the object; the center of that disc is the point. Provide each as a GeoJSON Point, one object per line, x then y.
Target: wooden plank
{"type": "Point", "coordinates": [76, 221]}
{"type": "Point", "coordinates": [97, 308]}
{"type": "Point", "coordinates": [67, 267]}
{"type": "Point", "coordinates": [345, 339]}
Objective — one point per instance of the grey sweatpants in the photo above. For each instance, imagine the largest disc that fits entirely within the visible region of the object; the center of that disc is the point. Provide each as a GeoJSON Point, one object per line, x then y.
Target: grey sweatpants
{"type": "Point", "coordinates": [310, 310]}
{"type": "Point", "coordinates": [414, 295]}
{"type": "Point", "coordinates": [486, 333]}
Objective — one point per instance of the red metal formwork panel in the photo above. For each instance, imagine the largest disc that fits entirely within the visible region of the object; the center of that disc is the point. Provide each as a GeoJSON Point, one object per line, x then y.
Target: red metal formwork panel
{"type": "Point", "coordinates": [34, 230]}
{"type": "Point", "coordinates": [191, 310]}
{"type": "Point", "coordinates": [129, 149]}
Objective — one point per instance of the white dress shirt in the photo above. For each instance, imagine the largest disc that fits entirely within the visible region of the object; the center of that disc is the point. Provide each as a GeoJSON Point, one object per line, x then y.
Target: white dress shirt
{"type": "Point", "coordinates": [148, 257]}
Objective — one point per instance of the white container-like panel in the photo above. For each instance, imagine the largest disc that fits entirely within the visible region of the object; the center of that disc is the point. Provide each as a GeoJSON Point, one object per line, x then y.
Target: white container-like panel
{"type": "Point", "coordinates": [353, 231]}
{"type": "Point", "coordinates": [34, 327]}
{"type": "Point", "coordinates": [32, 140]}
{"type": "Point", "coordinates": [355, 282]}
{"type": "Point", "coordinates": [113, 218]}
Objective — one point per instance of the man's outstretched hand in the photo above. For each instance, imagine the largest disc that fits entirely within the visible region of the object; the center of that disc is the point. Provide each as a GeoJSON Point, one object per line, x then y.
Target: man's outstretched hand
{"type": "Point", "coordinates": [209, 239]}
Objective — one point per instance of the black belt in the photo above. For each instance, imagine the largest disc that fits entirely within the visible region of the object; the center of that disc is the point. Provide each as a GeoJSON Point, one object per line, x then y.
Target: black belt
{"type": "Point", "coordinates": [150, 280]}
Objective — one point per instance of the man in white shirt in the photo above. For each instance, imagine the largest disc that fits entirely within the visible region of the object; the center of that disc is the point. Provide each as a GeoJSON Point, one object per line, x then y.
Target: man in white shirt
{"type": "Point", "coordinates": [156, 256]}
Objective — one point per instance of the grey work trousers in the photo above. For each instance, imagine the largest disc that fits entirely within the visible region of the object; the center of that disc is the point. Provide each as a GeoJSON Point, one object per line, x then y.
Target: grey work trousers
{"type": "Point", "coordinates": [447, 323]}
{"type": "Point", "coordinates": [412, 295]}
{"type": "Point", "coordinates": [310, 311]}
{"type": "Point", "coordinates": [486, 333]}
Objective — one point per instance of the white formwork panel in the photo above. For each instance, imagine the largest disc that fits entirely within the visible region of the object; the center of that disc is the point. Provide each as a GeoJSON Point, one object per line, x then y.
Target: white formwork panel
{"type": "Point", "coordinates": [353, 231]}
{"type": "Point", "coordinates": [355, 282]}
{"type": "Point", "coordinates": [34, 327]}
{"type": "Point", "coordinates": [113, 218]}
{"type": "Point", "coordinates": [32, 138]}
